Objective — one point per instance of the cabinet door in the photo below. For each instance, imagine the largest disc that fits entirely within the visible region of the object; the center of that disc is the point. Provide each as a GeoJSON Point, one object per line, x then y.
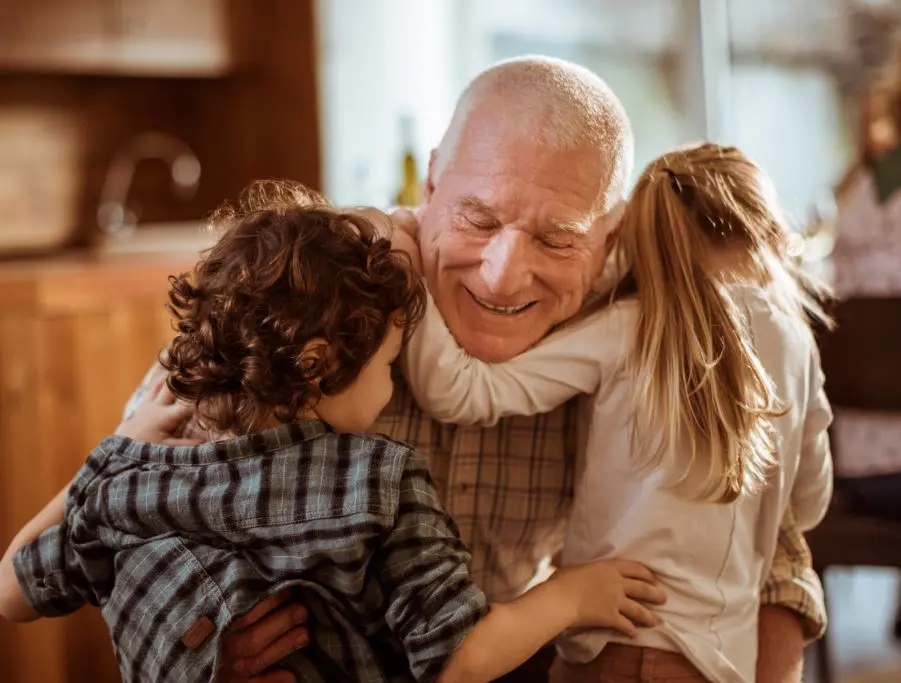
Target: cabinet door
{"type": "Point", "coordinates": [64, 379]}
{"type": "Point", "coordinates": [128, 37]}
{"type": "Point", "coordinates": [55, 35]}
{"type": "Point", "coordinates": [172, 37]}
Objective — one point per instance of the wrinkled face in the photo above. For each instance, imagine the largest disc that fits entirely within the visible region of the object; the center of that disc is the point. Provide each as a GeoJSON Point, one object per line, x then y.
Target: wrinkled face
{"type": "Point", "coordinates": [510, 241]}
{"type": "Point", "coordinates": [357, 407]}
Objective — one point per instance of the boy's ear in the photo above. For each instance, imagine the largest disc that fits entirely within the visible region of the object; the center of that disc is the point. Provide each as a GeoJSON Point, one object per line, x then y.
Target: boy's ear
{"type": "Point", "coordinates": [314, 358]}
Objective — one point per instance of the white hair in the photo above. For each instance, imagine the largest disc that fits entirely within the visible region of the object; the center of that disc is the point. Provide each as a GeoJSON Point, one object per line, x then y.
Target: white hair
{"type": "Point", "coordinates": [555, 103]}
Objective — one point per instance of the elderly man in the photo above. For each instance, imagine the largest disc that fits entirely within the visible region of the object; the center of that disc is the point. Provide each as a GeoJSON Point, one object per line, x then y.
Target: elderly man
{"type": "Point", "coordinates": [520, 195]}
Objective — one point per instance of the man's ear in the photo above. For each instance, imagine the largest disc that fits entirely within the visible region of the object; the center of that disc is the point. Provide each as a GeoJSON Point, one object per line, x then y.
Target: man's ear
{"type": "Point", "coordinates": [612, 237]}
{"type": "Point", "coordinates": [609, 228]}
{"type": "Point", "coordinates": [428, 188]}
{"type": "Point", "coordinates": [613, 216]}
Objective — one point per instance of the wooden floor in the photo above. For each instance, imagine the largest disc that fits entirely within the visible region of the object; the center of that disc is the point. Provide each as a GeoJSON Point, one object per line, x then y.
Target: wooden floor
{"type": "Point", "coordinates": [862, 610]}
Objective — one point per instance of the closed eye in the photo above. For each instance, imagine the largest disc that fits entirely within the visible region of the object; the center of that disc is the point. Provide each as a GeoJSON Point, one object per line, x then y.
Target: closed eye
{"type": "Point", "coordinates": [476, 214]}
{"type": "Point", "coordinates": [557, 241]}
{"type": "Point", "coordinates": [480, 223]}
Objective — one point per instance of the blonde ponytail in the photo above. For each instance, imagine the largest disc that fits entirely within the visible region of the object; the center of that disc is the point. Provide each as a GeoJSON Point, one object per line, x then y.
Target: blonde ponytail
{"type": "Point", "coordinates": [703, 403]}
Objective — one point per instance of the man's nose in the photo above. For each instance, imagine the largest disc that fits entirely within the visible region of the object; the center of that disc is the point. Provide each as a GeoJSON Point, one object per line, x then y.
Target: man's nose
{"type": "Point", "coordinates": [506, 269]}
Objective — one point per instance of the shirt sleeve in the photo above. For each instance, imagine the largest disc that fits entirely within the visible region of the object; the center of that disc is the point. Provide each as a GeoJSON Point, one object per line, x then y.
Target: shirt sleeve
{"type": "Point", "coordinates": [61, 569]}
{"type": "Point", "coordinates": [424, 569]}
{"type": "Point", "coordinates": [812, 490]}
{"type": "Point", "coordinates": [793, 583]}
{"type": "Point", "coordinates": [453, 386]}
{"type": "Point", "coordinates": [50, 581]}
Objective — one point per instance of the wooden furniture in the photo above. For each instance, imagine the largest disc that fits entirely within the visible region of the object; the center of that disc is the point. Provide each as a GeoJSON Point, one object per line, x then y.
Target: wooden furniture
{"type": "Point", "coordinates": [159, 38]}
{"type": "Point", "coordinates": [76, 336]}
{"type": "Point", "coordinates": [236, 81]}
{"type": "Point", "coordinates": [862, 362]}
{"type": "Point", "coordinates": [62, 121]}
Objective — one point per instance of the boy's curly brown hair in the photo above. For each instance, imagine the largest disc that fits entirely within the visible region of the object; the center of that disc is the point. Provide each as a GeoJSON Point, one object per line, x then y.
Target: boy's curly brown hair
{"type": "Point", "coordinates": [289, 268]}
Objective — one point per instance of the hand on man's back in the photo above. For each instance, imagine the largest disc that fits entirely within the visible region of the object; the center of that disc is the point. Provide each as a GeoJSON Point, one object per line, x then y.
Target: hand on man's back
{"type": "Point", "coordinates": [405, 219]}
{"type": "Point", "coordinates": [260, 639]}
{"type": "Point", "coordinates": [158, 417]}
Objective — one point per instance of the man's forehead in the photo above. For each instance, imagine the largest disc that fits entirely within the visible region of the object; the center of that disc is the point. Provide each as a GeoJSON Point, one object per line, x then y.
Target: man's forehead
{"type": "Point", "coordinates": [481, 153]}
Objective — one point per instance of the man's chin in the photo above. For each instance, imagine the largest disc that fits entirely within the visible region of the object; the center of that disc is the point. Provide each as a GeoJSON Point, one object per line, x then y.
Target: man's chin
{"type": "Point", "coordinates": [491, 337]}
{"type": "Point", "coordinates": [493, 349]}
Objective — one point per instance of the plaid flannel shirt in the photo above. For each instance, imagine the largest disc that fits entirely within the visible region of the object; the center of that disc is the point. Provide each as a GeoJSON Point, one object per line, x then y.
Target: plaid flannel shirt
{"type": "Point", "coordinates": [174, 543]}
{"type": "Point", "coordinates": [509, 488]}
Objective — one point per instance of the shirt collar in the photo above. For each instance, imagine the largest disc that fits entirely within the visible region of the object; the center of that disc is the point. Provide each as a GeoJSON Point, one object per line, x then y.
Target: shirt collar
{"type": "Point", "coordinates": [257, 443]}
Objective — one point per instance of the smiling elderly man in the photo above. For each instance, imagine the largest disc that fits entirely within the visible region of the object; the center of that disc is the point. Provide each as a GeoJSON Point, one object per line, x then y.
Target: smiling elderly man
{"type": "Point", "coordinates": [518, 200]}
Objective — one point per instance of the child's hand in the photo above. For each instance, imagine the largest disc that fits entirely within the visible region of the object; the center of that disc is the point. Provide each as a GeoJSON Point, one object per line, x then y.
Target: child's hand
{"type": "Point", "coordinates": [610, 594]}
{"type": "Point", "coordinates": [405, 219]}
{"type": "Point", "coordinates": [405, 234]}
{"type": "Point", "coordinates": [158, 416]}
{"type": "Point", "coordinates": [403, 241]}
{"type": "Point", "coordinates": [401, 226]}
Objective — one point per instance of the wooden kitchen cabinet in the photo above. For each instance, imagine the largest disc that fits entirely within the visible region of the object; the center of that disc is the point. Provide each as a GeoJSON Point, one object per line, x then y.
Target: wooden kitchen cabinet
{"type": "Point", "coordinates": [126, 37]}
{"type": "Point", "coordinates": [55, 35]}
{"type": "Point", "coordinates": [172, 37]}
{"type": "Point", "coordinates": [76, 336]}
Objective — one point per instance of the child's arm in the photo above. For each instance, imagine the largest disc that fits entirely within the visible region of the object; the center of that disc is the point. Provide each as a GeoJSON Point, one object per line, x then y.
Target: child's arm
{"type": "Point", "coordinates": [13, 605]}
{"type": "Point", "coordinates": [606, 594]}
{"type": "Point", "coordinates": [45, 536]}
{"type": "Point", "coordinates": [437, 613]}
{"type": "Point", "coordinates": [812, 490]}
{"type": "Point", "coordinates": [456, 387]}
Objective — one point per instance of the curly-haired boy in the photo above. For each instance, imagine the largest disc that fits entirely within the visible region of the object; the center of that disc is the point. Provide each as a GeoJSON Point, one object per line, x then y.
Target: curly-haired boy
{"type": "Point", "coordinates": [287, 329]}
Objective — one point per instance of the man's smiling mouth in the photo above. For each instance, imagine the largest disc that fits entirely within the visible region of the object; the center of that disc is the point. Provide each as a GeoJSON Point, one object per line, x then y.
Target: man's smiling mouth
{"type": "Point", "coordinates": [502, 310]}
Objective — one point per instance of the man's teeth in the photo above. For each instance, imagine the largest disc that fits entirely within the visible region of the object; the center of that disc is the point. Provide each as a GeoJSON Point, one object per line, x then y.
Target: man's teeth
{"type": "Point", "coordinates": [507, 310]}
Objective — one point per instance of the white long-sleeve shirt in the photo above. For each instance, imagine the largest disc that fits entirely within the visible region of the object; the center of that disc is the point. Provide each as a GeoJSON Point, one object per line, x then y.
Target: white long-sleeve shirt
{"type": "Point", "coordinates": [711, 558]}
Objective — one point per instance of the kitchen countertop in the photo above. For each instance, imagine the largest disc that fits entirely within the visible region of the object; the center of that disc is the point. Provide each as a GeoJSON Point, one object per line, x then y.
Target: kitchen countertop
{"type": "Point", "coordinates": [117, 268]}
{"type": "Point", "coordinates": [78, 281]}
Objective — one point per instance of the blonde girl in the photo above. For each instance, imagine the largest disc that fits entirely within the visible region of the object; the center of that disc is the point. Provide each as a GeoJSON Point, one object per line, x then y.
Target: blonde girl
{"type": "Point", "coordinates": [708, 416]}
